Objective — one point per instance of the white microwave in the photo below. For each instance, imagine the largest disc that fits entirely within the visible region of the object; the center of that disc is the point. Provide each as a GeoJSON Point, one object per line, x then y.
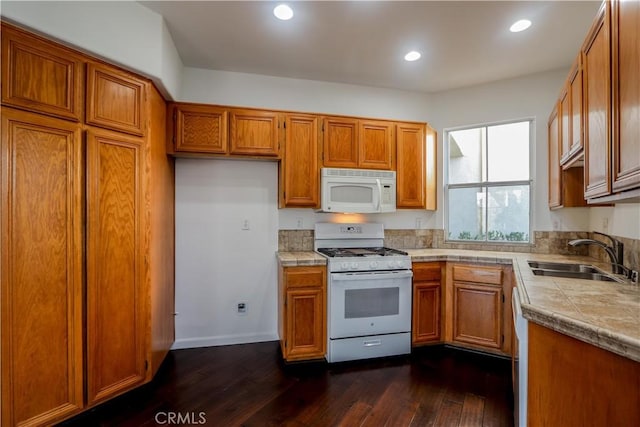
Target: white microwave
{"type": "Point", "coordinates": [358, 190]}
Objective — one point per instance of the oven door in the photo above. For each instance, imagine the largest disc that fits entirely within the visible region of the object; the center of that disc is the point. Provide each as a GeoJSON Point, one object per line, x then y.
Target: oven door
{"type": "Point", "coordinates": [369, 303]}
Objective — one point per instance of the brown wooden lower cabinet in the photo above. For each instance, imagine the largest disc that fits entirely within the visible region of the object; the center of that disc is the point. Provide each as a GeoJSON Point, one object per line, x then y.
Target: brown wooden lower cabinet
{"type": "Point", "coordinates": [476, 313]}
{"type": "Point", "coordinates": [302, 318]}
{"type": "Point", "coordinates": [572, 383]}
{"type": "Point", "coordinates": [426, 324]}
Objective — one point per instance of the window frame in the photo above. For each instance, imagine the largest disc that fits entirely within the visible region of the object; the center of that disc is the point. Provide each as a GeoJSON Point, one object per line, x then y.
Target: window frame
{"type": "Point", "coordinates": [485, 185]}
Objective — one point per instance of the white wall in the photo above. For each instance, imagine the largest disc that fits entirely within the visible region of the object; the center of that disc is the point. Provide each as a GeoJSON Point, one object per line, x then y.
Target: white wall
{"type": "Point", "coordinates": [522, 98]}
{"type": "Point", "coordinates": [122, 32]}
{"type": "Point", "coordinates": [621, 220]}
{"type": "Point", "coordinates": [217, 263]}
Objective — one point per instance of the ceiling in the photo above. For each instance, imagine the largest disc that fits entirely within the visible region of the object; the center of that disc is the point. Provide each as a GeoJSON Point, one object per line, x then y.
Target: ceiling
{"type": "Point", "coordinates": [463, 43]}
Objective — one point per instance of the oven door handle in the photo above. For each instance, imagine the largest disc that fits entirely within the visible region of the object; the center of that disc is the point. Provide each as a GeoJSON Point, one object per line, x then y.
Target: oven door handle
{"type": "Point", "coordinates": [371, 275]}
{"type": "Point", "coordinates": [378, 208]}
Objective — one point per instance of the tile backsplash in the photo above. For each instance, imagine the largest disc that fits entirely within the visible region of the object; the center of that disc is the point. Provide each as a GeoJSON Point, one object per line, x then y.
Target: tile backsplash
{"type": "Point", "coordinates": [545, 242]}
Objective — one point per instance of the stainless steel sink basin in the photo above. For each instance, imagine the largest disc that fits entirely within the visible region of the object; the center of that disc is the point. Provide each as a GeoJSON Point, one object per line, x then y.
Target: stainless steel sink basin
{"type": "Point", "coordinates": [576, 275]}
{"type": "Point", "coordinates": [572, 271]}
{"type": "Point", "coordinates": [559, 266]}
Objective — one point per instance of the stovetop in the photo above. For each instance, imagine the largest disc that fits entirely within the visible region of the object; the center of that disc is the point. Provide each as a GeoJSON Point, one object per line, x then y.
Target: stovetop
{"type": "Point", "coordinates": [360, 252]}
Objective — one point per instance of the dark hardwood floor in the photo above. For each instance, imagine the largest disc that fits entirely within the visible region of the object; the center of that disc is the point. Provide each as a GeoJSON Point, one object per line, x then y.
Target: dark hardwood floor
{"type": "Point", "coordinates": [248, 385]}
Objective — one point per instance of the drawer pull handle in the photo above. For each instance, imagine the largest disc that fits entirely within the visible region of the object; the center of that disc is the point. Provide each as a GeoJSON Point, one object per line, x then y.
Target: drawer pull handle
{"type": "Point", "coordinates": [372, 343]}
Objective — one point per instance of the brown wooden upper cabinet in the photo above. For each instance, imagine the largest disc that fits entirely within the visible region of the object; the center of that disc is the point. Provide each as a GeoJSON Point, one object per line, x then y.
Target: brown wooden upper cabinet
{"type": "Point", "coordinates": [41, 77]}
{"type": "Point", "coordinates": [299, 171]}
{"type": "Point", "coordinates": [596, 57]}
{"type": "Point", "coordinates": [416, 164]}
{"type": "Point", "coordinates": [565, 185]}
{"type": "Point", "coordinates": [199, 128]}
{"type": "Point", "coordinates": [611, 92]}
{"type": "Point", "coordinates": [214, 130]}
{"type": "Point", "coordinates": [625, 26]}
{"type": "Point", "coordinates": [254, 133]}
{"type": "Point", "coordinates": [573, 153]}
{"type": "Point", "coordinates": [115, 99]}
{"type": "Point", "coordinates": [356, 143]}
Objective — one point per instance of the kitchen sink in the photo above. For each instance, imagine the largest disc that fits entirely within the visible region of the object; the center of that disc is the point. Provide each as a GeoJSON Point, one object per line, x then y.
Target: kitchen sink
{"type": "Point", "coordinates": [559, 266]}
{"type": "Point", "coordinates": [572, 271]}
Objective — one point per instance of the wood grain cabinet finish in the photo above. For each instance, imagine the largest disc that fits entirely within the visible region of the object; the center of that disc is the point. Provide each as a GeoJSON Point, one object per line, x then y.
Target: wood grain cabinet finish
{"type": "Point", "coordinates": [565, 121]}
{"type": "Point", "coordinates": [199, 128]}
{"type": "Point", "coordinates": [573, 153]}
{"type": "Point", "coordinates": [555, 183]}
{"type": "Point", "coordinates": [596, 59]}
{"type": "Point", "coordinates": [254, 133]}
{"type": "Point", "coordinates": [299, 171]}
{"type": "Point", "coordinates": [567, 376]}
{"type": "Point", "coordinates": [476, 313]}
{"type": "Point", "coordinates": [116, 317]}
{"type": "Point", "coordinates": [426, 319]}
{"type": "Point", "coordinates": [41, 77]}
{"type": "Point", "coordinates": [565, 185]}
{"type": "Point", "coordinates": [625, 29]}
{"type": "Point", "coordinates": [340, 142]}
{"type": "Point", "coordinates": [377, 145]}
{"type": "Point", "coordinates": [358, 143]}
{"type": "Point", "coordinates": [302, 312]}
{"type": "Point", "coordinates": [87, 256]}
{"type": "Point", "coordinates": [41, 268]}
{"type": "Point", "coordinates": [115, 99]}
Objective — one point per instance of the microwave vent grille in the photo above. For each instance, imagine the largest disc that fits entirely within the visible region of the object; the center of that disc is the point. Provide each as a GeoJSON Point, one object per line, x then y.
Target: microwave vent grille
{"type": "Point", "coordinates": [358, 173]}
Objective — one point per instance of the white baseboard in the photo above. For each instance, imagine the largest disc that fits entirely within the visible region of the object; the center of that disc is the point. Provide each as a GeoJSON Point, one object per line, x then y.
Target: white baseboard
{"type": "Point", "coordinates": [222, 340]}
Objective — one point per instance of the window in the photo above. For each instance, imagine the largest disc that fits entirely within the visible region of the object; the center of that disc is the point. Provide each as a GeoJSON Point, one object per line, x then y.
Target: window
{"type": "Point", "coordinates": [488, 187]}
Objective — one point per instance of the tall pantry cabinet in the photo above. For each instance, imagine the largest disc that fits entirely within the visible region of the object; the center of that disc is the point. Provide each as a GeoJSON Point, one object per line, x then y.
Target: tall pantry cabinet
{"type": "Point", "coordinates": [86, 231]}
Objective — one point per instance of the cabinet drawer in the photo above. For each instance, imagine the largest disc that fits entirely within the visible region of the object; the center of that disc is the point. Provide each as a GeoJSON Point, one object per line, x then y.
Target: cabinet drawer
{"type": "Point", "coordinates": [477, 274]}
{"type": "Point", "coordinates": [304, 277]}
{"type": "Point", "coordinates": [427, 272]}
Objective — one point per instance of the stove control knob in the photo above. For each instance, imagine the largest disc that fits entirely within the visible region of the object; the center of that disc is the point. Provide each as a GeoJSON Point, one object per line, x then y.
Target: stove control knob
{"type": "Point", "coordinates": [373, 264]}
{"type": "Point", "coordinates": [392, 265]}
{"type": "Point", "coordinates": [354, 265]}
{"type": "Point", "coordinates": [344, 266]}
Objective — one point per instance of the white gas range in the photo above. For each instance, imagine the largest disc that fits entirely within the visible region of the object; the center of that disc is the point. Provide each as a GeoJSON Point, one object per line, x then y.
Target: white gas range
{"type": "Point", "coordinates": [369, 292]}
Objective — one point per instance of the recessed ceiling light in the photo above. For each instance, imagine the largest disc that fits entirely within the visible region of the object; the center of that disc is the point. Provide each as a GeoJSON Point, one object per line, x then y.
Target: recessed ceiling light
{"type": "Point", "coordinates": [521, 25]}
{"type": "Point", "coordinates": [283, 12]}
{"type": "Point", "coordinates": [412, 56]}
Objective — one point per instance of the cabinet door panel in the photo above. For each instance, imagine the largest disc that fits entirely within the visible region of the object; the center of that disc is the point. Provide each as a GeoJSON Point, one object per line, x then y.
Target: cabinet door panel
{"type": "Point", "coordinates": [555, 183]}
{"type": "Point", "coordinates": [200, 129]}
{"type": "Point", "coordinates": [626, 95]}
{"type": "Point", "coordinates": [410, 185]}
{"type": "Point", "coordinates": [576, 110]}
{"type": "Point", "coordinates": [115, 309]}
{"type": "Point", "coordinates": [40, 76]}
{"type": "Point", "coordinates": [41, 268]}
{"type": "Point", "coordinates": [115, 99]}
{"type": "Point", "coordinates": [426, 312]}
{"type": "Point", "coordinates": [300, 163]}
{"type": "Point", "coordinates": [597, 110]}
{"type": "Point", "coordinates": [376, 145]}
{"type": "Point", "coordinates": [305, 323]}
{"type": "Point", "coordinates": [566, 120]}
{"type": "Point", "coordinates": [254, 133]}
{"type": "Point", "coordinates": [340, 144]}
{"type": "Point", "coordinates": [477, 314]}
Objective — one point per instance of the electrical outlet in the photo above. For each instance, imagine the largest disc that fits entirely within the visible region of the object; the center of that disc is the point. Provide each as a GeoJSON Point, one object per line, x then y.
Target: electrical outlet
{"type": "Point", "coordinates": [245, 224]}
{"type": "Point", "coordinates": [242, 308]}
{"type": "Point", "coordinates": [299, 223]}
{"type": "Point", "coordinates": [605, 225]}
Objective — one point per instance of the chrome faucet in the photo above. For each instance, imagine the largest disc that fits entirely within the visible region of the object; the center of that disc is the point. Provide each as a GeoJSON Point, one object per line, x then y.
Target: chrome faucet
{"type": "Point", "coordinates": [615, 252]}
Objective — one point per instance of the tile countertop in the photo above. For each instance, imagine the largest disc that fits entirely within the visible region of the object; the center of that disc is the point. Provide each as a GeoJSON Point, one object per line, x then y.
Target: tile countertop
{"type": "Point", "coordinates": [604, 314]}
